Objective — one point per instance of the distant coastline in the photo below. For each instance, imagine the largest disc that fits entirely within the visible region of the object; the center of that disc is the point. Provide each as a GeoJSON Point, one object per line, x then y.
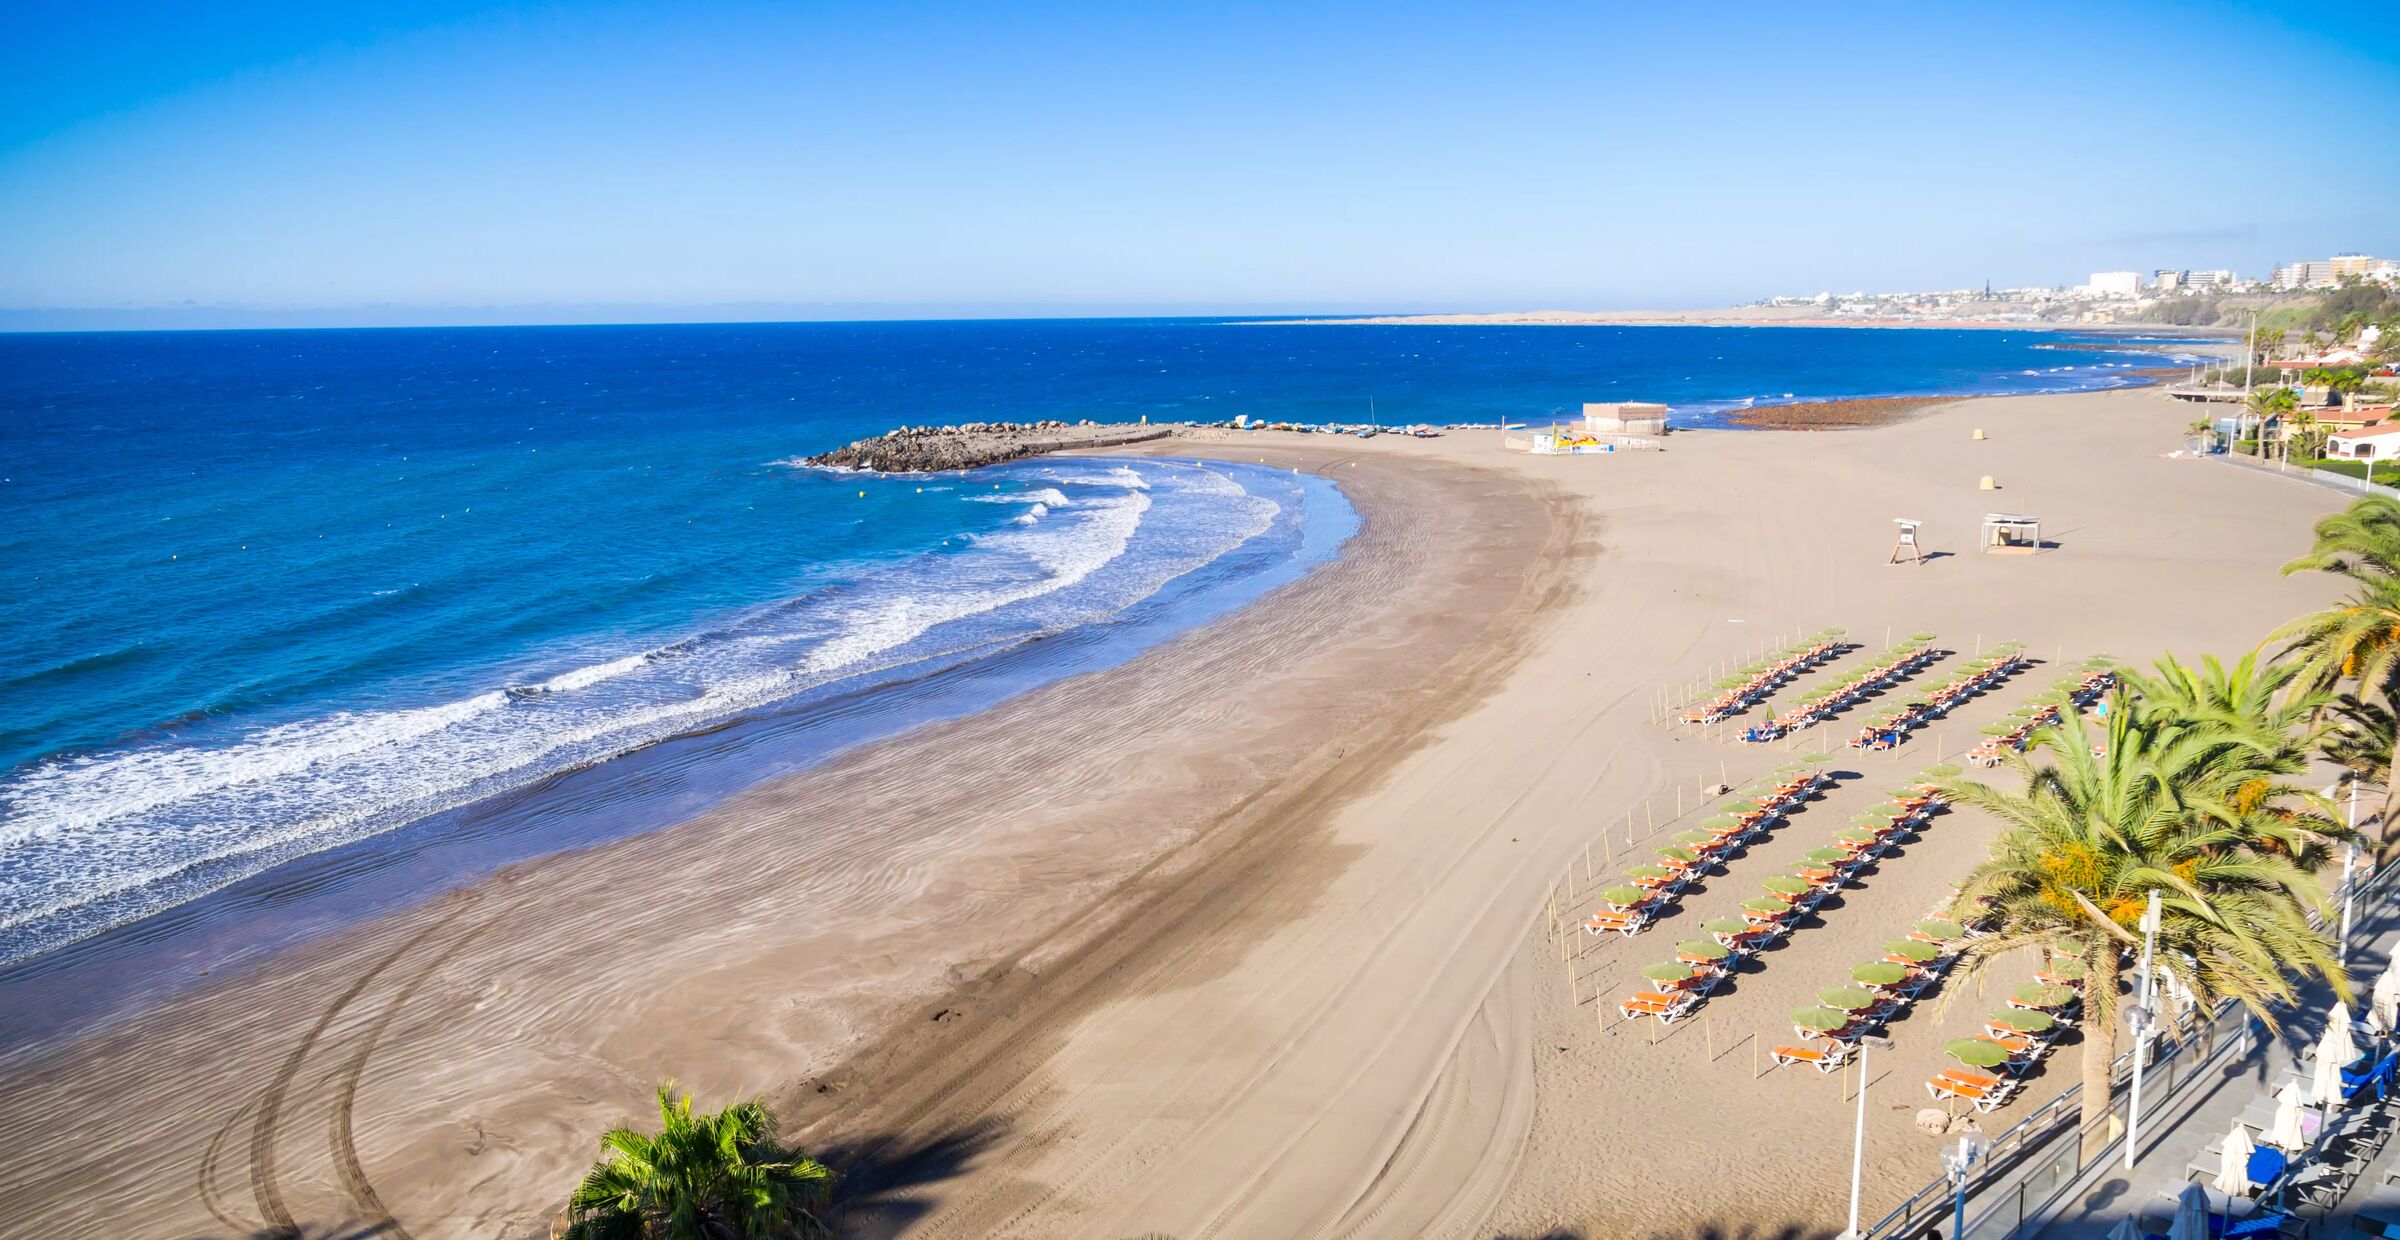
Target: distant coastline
{"type": "Point", "coordinates": [1728, 316]}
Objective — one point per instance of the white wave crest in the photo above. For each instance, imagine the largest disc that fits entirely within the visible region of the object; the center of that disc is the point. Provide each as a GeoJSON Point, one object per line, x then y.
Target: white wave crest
{"type": "Point", "coordinates": [584, 677]}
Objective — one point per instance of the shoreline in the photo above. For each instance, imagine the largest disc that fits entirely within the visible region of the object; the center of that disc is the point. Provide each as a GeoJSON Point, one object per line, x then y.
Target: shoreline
{"type": "Point", "coordinates": [947, 842]}
{"type": "Point", "coordinates": [1127, 945]}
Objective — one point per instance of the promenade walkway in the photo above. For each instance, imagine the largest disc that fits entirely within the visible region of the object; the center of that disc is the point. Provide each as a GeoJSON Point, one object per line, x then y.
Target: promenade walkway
{"type": "Point", "coordinates": [2205, 1103]}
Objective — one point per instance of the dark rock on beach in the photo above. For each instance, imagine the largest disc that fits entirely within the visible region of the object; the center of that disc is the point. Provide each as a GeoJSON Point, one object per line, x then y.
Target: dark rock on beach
{"type": "Point", "coordinates": [924, 449]}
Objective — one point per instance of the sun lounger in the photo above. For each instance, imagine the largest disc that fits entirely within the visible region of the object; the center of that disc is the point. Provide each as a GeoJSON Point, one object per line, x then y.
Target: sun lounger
{"type": "Point", "coordinates": [1627, 924]}
{"type": "Point", "coordinates": [1829, 1058]}
{"type": "Point", "coordinates": [1667, 1008]}
{"type": "Point", "coordinates": [1983, 1099]}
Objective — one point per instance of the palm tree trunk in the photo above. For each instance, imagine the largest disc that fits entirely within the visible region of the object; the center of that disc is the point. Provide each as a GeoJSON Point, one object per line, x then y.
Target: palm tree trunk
{"type": "Point", "coordinates": [2099, 1038]}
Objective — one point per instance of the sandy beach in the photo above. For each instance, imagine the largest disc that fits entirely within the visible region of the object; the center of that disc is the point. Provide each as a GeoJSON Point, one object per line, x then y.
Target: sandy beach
{"type": "Point", "coordinates": [1250, 936]}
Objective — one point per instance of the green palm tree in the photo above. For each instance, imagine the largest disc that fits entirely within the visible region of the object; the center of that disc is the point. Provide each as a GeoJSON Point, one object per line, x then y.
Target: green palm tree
{"type": "Point", "coordinates": [2266, 703]}
{"type": "Point", "coordinates": [2362, 738]}
{"type": "Point", "coordinates": [2355, 642]}
{"type": "Point", "coordinates": [719, 1176]}
{"type": "Point", "coordinates": [2194, 809]}
{"type": "Point", "coordinates": [2269, 404]}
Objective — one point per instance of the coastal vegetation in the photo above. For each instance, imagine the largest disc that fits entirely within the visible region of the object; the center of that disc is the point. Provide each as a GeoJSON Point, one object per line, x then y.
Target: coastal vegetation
{"type": "Point", "coordinates": [704, 1176]}
{"type": "Point", "coordinates": [2185, 790]}
{"type": "Point", "coordinates": [2192, 788]}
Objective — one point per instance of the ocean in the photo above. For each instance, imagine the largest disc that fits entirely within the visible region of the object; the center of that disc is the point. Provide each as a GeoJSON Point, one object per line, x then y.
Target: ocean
{"type": "Point", "coordinates": [279, 592]}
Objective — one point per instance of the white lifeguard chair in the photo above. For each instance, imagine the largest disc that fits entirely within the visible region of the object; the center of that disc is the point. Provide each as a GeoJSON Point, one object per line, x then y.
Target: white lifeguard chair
{"type": "Point", "coordinates": [1906, 547]}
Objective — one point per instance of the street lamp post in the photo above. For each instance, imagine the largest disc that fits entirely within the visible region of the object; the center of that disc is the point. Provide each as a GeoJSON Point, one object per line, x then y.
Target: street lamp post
{"type": "Point", "coordinates": [1959, 1160]}
{"type": "Point", "coordinates": [1858, 1140]}
{"type": "Point", "coordinates": [2349, 874]}
{"type": "Point", "coordinates": [2140, 1018]}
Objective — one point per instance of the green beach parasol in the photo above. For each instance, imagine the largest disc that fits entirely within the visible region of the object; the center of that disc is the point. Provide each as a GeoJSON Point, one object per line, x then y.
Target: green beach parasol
{"type": "Point", "coordinates": [1833, 632]}
{"type": "Point", "coordinates": [1692, 837]}
{"type": "Point", "coordinates": [2068, 970]}
{"type": "Point", "coordinates": [2042, 994]}
{"type": "Point", "coordinates": [1730, 682]}
{"type": "Point", "coordinates": [1998, 729]}
{"type": "Point", "coordinates": [1874, 819]}
{"type": "Point", "coordinates": [1764, 904]}
{"type": "Point", "coordinates": [1977, 1053]}
{"type": "Point", "coordinates": [1921, 637]}
{"type": "Point", "coordinates": [1946, 770]}
{"type": "Point", "coordinates": [1939, 930]}
{"type": "Point", "coordinates": [1725, 925]}
{"type": "Point", "coordinates": [1677, 853]}
{"type": "Point", "coordinates": [1910, 949]}
{"type": "Point", "coordinates": [1827, 856]}
{"type": "Point", "coordinates": [1909, 793]}
{"type": "Point", "coordinates": [2024, 1021]}
{"type": "Point", "coordinates": [1651, 871]}
{"type": "Point", "coordinates": [1816, 759]}
{"type": "Point", "coordinates": [1792, 768]}
{"type": "Point", "coordinates": [1847, 998]}
{"type": "Point", "coordinates": [1877, 973]}
{"type": "Point", "coordinates": [1820, 1019]}
{"type": "Point", "coordinates": [1706, 949]}
{"type": "Point", "coordinates": [1624, 893]}
{"type": "Point", "coordinates": [1668, 971]}
{"type": "Point", "coordinates": [1719, 822]}
{"type": "Point", "coordinates": [1782, 885]}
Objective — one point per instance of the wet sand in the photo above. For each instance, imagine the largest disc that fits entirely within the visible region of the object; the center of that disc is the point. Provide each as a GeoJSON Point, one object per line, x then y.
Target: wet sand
{"type": "Point", "coordinates": [1250, 936]}
{"type": "Point", "coordinates": [445, 1070]}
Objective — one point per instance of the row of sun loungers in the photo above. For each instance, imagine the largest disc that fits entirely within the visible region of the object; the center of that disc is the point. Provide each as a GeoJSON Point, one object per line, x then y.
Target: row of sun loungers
{"type": "Point", "coordinates": [1886, 669]}
{"type": "Point", "coordinates": [1879, 990]}
{"type": "Point", "coordinates": [1631, 906]}
{"type": "Point", "coordinates": [1889, 729]}
{"type": "Point", "coordinates": [1702, 964]}
{"type": "Point", "coordinates": [2013, 1040]}
{"type": "Point", "coordinates": [1751, 684]}
{"type": "Point", "coordinates": [2011, 735]}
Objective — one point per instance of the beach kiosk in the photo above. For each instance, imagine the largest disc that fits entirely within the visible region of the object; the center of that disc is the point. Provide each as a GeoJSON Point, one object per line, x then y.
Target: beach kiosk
{"type": "Point", "coordinates": [1624, 417]}
{"type": "Point", "coordinates": [2011, 534]}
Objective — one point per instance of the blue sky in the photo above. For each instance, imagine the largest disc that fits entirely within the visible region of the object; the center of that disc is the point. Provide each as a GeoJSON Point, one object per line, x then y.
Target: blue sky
{"type": "Point", "coordinates": [392, 162]}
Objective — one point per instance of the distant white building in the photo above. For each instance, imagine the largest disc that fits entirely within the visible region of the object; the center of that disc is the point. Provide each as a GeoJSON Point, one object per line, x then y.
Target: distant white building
{"type": "Point", "coordinates": [2127, 284]}
{"type": "Point", "coordinates": [2168, 279]}
{"type": "Point", "coordinates": [2219, 278]}
{"type": "Point", "coordinates": [2328, 272]}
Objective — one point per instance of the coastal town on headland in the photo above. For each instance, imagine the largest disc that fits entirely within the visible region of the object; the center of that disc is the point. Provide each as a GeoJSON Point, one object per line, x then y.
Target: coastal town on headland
{"type": "Point", "coordinates": [2304, 377]}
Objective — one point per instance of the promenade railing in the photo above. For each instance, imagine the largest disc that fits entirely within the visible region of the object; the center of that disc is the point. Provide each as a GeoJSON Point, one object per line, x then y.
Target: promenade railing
{"type": "Point", "coordinates": [2037, 1160]}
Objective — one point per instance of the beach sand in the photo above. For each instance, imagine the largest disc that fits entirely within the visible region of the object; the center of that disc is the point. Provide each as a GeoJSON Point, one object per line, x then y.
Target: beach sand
{"type": "Point", "coordinates": [1249, 937]}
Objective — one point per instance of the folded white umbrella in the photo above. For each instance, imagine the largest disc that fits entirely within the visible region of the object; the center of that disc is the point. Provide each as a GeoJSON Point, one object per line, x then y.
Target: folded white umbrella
{"type": "Point", "coordinates": [2286, 1132]}
{"type": "Point", "coordinates": [2334, 1052]}
{"type": "Point", "coordinates": [2191, 1214]}
{"type": "Point", "coordinates": [2384, 1001]}
{"type": "Point", "coordinates": [2233, 1162]}
{"type": "Point", "coordinates": [2325, 1083]}
{"type": "Point", "coordinates": [2337, 1041]}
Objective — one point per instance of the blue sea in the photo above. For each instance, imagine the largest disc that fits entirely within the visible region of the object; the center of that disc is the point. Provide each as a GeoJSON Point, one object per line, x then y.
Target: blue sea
{"type": "Point", "coordinates": [273, 593]}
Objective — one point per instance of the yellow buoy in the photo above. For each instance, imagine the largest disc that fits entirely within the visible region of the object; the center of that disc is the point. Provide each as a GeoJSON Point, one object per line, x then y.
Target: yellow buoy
{"type": "Point", "coordinates": [1988, 484]}
{"type": "Point", "coordinates": [1979, 432]}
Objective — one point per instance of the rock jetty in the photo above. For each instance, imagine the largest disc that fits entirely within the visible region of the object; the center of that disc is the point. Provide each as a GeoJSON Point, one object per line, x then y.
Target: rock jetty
{"type": "Point", "coordinates": [924, 449]}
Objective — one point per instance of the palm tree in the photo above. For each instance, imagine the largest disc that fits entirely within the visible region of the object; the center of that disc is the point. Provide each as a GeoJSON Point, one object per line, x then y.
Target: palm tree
{"type": "Point", "coordinates": [2267, 704]}
{"type": "Point", "coordinates": [718, 1176]}
{"type": "Point", "coordinates": [2199, 811]}
{"type": "Point", "coordinates": [2362, 739]}
{"type": "Point", "coordinates": [2267, 405]}
{"type": "Point", "coordinates": [2354, 642]}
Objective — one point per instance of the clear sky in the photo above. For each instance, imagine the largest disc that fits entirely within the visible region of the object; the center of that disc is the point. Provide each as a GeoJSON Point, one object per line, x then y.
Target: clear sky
{"type": "Point", "coordinates": [239, 162]}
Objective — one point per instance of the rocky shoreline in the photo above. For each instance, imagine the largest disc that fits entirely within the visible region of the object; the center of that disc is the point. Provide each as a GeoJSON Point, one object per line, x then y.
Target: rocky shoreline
{"type": "Point", "coordinates": [928, 449]}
